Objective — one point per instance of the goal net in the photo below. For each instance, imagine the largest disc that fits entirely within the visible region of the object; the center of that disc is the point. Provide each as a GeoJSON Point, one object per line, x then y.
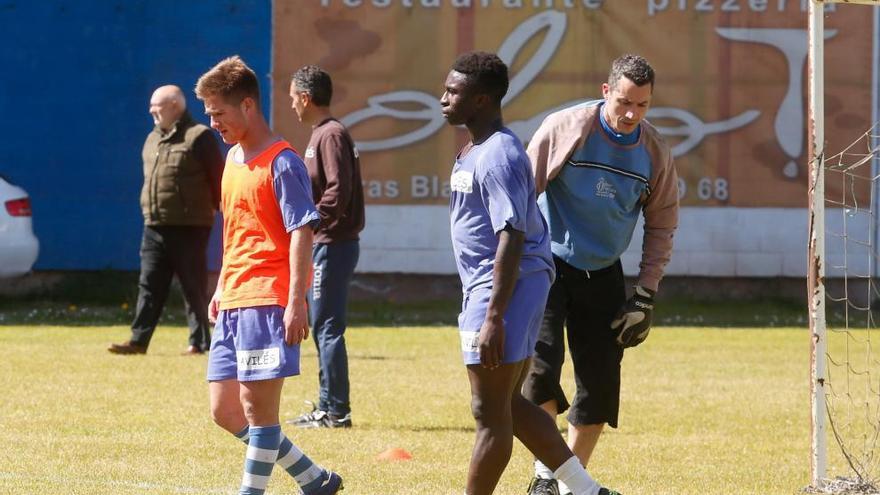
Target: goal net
{"type": "Point", "coordinates": [844, 288]}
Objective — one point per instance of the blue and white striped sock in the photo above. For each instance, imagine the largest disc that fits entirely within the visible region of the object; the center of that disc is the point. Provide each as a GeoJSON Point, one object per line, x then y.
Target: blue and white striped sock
{"type": "Point", "coordinates": [262, 452]}
{"type": "Point", "coordinates": [308, 475]}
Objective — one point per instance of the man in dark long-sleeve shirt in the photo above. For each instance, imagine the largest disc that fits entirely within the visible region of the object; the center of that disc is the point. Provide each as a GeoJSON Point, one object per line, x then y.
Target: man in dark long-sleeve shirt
{"type": "Point", "coordinates": [332, 162]}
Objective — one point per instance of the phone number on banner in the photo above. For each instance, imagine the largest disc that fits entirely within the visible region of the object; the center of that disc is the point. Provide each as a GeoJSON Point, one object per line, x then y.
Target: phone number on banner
{"type": "Point", "coordinates": [706, 189]}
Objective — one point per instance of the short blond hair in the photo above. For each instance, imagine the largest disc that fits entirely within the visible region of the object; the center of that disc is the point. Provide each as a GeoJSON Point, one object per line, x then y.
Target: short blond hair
{"type": "Point", "coordinates": [231, 79]}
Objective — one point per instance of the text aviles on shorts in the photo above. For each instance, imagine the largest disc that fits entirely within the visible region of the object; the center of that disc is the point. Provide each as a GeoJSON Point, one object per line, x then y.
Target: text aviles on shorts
{"type": "Point", "coordinates": [248, 345]}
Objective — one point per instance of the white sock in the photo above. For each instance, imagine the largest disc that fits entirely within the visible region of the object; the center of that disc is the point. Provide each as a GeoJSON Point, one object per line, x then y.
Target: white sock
{"type": "Point", "coordinates": [576, 477]}
{"type": "Point", "coordinates": [563, 488]}
{"type": "Point", "coordinates": [542, 471]}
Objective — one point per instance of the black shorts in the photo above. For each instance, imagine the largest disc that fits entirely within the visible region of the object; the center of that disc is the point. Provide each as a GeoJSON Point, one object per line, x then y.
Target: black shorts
{"type": "Point", "coordinates": [584, 303]}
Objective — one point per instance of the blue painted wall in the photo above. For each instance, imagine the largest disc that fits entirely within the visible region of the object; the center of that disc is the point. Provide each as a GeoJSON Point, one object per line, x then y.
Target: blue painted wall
{"type": "Point", "coordinates": [74, 90]}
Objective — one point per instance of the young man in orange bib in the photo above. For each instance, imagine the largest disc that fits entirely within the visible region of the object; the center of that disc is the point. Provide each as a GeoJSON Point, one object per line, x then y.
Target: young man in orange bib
{"type": "Point", "coordinates": [260, 302]}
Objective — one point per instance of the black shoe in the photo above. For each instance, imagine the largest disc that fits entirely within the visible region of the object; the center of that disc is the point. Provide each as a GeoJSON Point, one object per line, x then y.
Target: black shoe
{"type": "Point", "coordinates": [331, 486]}
{"type": "Point", "coordinates": [544, 486]}
{"type": "Point", "coordinates": [308, 417]}
{"type": "Point", "coordinates": [317, 418]}
{"type": "Point", "coordinates": [608, 491]}
{"type": "Point", "coordinates": [323, 419]}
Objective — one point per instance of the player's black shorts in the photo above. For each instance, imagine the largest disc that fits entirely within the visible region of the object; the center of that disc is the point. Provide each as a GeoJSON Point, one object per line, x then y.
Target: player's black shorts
{"type": "Point", "coordinates": [585, 303]}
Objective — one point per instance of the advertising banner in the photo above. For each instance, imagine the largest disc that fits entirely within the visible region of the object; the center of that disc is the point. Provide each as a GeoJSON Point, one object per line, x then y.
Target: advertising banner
{"type": "Point", "coordinates": [730, 93]}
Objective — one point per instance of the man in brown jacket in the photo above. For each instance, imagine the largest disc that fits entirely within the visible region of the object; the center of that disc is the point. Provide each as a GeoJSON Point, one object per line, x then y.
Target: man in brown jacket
{"type": "Point", "coordinates": [334, 169]}
{"type": "Point", "coordinates": [182, 170]}
{"type": "Point", "coordinates": [600, 167]}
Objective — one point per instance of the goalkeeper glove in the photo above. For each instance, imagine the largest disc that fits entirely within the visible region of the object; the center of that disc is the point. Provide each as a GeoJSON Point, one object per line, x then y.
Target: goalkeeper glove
{"type": "Point", "coordinates": [633, 321]}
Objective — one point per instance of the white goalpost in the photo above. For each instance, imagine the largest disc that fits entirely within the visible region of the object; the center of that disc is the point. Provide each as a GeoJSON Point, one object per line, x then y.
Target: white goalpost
{"type": "Point", "coordinates": [816, 242]}
{"type": "Point", "coordinates": [848, 407]}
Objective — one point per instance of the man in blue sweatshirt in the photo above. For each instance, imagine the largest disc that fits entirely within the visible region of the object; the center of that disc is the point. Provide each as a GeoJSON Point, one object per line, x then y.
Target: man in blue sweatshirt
{"type": "Point", "coordinates": [598, 167]}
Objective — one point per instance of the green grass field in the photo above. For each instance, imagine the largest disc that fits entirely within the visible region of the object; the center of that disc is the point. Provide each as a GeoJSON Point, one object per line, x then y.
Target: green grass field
{"type": "Point", "coordinates": [704, 411]}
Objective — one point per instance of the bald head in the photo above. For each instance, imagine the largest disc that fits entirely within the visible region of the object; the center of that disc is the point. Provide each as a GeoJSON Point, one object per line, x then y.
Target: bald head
{"type": "Point", "coordinates": [167, 105]}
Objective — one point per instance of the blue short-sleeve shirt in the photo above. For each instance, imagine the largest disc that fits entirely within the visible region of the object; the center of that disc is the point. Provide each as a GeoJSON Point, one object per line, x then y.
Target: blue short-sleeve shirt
{"type": "Point", "coordinates": [491, 188]}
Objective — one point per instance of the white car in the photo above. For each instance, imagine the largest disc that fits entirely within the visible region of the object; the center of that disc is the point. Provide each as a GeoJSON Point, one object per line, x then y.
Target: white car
{"type": "Point", "coordinates": [18, 245]}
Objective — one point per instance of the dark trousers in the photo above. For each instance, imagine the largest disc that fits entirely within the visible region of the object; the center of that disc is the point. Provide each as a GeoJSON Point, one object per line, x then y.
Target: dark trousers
{"type": "Point", "coordinates": [584, 304]}
{"type": "Point", "coordinates": [333, 265]}
{"type": "Point", "coordinates": [167, 251]}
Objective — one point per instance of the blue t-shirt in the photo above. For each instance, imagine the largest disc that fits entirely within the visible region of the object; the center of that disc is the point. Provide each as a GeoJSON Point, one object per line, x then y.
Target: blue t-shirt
{"type": "Point", "coordinates": [593, 205]}
{"type": "Point", "coordinates": [492, 187]}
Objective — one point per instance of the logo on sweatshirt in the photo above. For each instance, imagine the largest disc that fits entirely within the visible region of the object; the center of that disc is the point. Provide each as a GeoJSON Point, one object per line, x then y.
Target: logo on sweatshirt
{"type": "Point", "coordinates": [310, 152]}
{"type": "Point", "coordinates": [605, 189]}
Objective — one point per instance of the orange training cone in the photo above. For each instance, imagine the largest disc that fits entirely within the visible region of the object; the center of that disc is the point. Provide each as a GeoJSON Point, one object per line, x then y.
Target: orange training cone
{"type": "Point", "coordinates": [394, 454]}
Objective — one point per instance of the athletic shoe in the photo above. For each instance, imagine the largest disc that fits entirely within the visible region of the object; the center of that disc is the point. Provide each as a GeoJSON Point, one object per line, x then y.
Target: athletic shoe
{"type": "Point", "coordinates": [317, 418]}
{"type": "Point", "coordinates": [602, 491]}
{"type": "Point", "coordinates": [543, 486]}
{"type": "Point", "coordinates": [313, 415]}
{"type": "Point", "coordinates": [332, 486]}
{"type": "Point", "coordinates": [323, 419]}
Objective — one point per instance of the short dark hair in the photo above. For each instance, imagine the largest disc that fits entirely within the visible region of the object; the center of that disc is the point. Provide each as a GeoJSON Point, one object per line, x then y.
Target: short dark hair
{"type": "Point", "coordinates": [634, 68]}
{"type": "Point", "coordinates": [316, 82]}
{"type": "Point", "coordinates": [486, 71]}
{"type": "Point", "coordinates": [231, 79]}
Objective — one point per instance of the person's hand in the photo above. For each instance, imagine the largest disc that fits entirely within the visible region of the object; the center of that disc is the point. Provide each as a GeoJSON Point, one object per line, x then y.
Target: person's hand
{"type": "Point", "coordinates": [296, 322]}
{"type": "Point", "coordinates": [633, 321]}
{"type": "Point", "coordinates": [214, 306]}
{"type": "Point", "coordinates": [491, 343]}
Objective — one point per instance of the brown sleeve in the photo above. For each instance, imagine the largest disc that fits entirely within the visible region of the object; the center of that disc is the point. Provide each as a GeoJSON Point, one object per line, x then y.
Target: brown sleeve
{"type": "Point", "coordinates": [553, 143]}
{"type": "Point", "coordinates": [661, 215]}
{"type": "Point", "coordinates": [539, 152]}
{"type": "Point", "coordinates": [337, 161]}
{"type": "Point", "coordinates": [207, 152]}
